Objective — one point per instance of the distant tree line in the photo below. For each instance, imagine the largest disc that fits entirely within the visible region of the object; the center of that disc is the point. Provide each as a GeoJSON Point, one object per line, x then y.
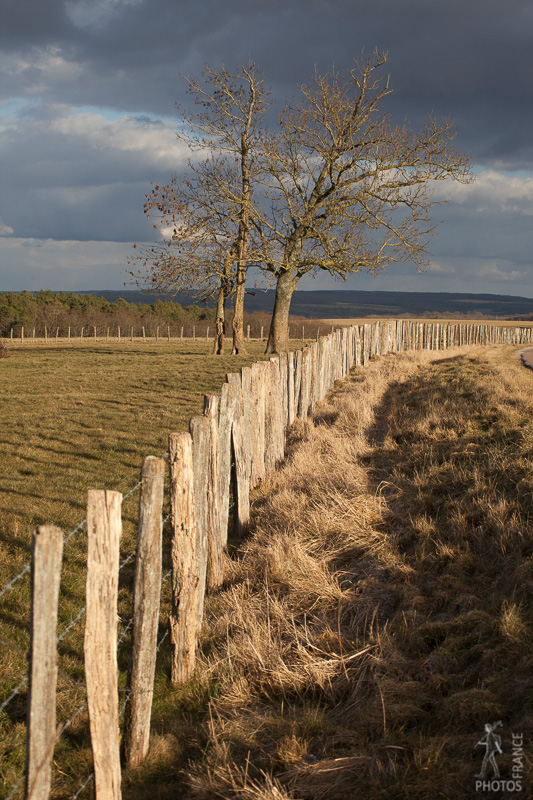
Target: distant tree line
{"type": "Point", "coordinates": [64, 310]}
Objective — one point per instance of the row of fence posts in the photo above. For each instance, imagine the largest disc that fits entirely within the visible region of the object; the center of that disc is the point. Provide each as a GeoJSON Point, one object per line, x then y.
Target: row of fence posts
{"type": "Point", "coordinates": [238, 440]}
{"type": "Point", "coordinates": [120, 334]}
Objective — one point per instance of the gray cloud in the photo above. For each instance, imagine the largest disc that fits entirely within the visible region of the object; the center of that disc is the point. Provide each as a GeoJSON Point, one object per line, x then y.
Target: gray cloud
{"type": "Point", "coordinates": [70, 173]}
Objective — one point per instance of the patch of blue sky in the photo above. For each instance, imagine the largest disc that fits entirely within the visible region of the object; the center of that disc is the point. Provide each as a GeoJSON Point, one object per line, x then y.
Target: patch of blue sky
{"type": "Point", "coordinates": [12, 106]}
{"type": "Point", "coordinates": [113, 114]}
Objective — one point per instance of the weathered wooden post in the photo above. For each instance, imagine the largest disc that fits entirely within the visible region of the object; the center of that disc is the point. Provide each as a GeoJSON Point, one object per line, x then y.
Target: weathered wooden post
{"type": "Point", "coordinates": [94, 333]}
{"type": "Point", "coordinates": [291, 410]}
{"type": "Point", "coordinates": [200, 430]}
{"type": "Point", "coordinates": [146, 597]}
{"type": "Point", "coordinates": [103, 532]}
{"type": "Point", "coordinates": [215, 559]}
{"type": "Point", "coordinates": [258, 422]}
{"type": "Point", "coordinates": [186, 585]}
{"type": "Point", "coordinates": [118, 333]}
{"type": "Point", "coordinates": [47, 548]}
{"type": "Point", "coordinates": [241, 441]}
{"type": "Point", "coordinates": [247, 333]}
{"type": "Point", "coordinates": [229, 397]}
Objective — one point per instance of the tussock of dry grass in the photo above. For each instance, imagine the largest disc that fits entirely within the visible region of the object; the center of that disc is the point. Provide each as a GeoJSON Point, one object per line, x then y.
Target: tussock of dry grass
{"type": "Point", "coordinates": [380, 613]}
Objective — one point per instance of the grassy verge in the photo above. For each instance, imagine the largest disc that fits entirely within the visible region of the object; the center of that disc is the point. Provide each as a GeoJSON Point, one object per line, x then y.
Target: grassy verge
{"type": "Point", "coordinates": [381, 613]}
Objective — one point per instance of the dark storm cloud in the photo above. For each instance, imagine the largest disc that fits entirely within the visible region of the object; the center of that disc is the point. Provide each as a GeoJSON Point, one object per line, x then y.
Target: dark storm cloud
{"type": "Point", "coordinates": [469, 59]}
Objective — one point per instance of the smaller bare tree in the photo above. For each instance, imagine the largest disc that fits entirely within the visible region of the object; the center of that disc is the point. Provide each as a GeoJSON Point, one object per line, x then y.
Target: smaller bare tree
{"type": "Point", "coordinates": [208, 215]}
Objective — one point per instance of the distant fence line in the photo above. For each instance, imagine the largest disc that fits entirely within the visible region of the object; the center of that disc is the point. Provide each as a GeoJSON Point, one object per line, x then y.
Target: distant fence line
{"type": "Point", "coordinates": [124, 333]}
{"type": "Point", "coordinates": [231, 448]}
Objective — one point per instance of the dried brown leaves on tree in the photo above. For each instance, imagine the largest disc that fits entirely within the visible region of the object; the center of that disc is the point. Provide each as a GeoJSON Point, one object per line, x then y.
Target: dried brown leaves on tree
{"type": "Point", "coordinates": [207, 215]}
{"type": "Point", "coordinates": [349, 189]}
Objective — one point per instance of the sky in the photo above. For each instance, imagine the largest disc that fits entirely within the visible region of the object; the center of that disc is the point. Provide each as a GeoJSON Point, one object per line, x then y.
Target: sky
{"type": "Point", "coordinates": [88, 93]}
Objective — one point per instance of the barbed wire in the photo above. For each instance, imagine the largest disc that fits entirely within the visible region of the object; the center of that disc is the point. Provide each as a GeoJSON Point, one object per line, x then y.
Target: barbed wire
{"type": "Point", "coordinates": [123, 706]}
{"type": "Point", "coordinates": [27, 567]}
{"type": "Point", "coordinates": [66, 725]}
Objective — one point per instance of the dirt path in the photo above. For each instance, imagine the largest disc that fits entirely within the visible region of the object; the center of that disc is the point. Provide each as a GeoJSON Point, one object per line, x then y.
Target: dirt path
{"type": "Point", "coordinates": [527, 357]}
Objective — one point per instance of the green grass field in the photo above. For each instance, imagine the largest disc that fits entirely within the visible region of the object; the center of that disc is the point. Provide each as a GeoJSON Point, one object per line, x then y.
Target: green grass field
{"type": "Point", "coordinates": [75, 417]}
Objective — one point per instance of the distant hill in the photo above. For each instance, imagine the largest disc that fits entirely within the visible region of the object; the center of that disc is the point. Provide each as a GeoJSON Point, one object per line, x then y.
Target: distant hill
{"type": "Point", "coordinates": [339, 304]}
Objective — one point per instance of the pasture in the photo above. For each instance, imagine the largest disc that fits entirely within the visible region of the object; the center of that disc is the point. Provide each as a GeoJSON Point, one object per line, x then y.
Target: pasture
{"type": "Point", "coordinates": [379, 614]}
{"type": "Point", "coordinates": [75, 417]}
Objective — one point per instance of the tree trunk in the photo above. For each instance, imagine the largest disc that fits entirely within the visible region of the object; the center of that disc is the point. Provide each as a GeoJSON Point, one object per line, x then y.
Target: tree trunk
{"type": "Point", "coordinates": [238, 317]}
{"type": "Point", "coordinates": [218, 345]}
{"type": "Point", "coordinates": [278, 337]}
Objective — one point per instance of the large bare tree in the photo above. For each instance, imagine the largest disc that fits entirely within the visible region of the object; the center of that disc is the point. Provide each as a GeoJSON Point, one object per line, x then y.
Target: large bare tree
{"type": "Point", "coordinates": [348, 189]}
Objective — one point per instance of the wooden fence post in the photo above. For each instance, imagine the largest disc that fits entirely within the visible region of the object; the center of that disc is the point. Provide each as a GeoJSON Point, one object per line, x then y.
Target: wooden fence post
{"type": "Point", "coordinates": [146, 597]}
{"type": "Point", "coordinates": [215, 559]}
{"type": "Point", "coordinates": [200, 430]}
{"type": "Point", "coordinates": [242, 447]}
{"type": "Point", "coordinates": [229, 398]}
{"type": "Point", "coordinates": [103, 533]}
{"type": "Point", "coordinates": [47, 548]}
{"type": "Point", "coordinates": [257, 400]}
{"type": "Point", "coordinates": [185, 579]}
{"type": "Point", "coordinates": [291, 411]}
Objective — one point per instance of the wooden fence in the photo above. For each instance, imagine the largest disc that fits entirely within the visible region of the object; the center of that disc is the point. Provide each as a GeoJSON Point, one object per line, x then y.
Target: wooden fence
{"type": "Point", "coordinates": [228, 450]}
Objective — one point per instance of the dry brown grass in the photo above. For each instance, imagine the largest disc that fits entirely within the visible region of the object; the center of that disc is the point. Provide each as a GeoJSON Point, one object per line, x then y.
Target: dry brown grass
{"type": "Point", "coordinates": [380, 614]}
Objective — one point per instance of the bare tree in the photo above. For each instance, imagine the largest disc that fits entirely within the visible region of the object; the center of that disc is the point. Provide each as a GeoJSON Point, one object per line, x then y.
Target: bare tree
{"type": "Point", "coordinates": [195, 220]}
{"type": "Point", "coordinates": [348, 189]}
{"type": "Point", "coordinates": [208, 215]}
